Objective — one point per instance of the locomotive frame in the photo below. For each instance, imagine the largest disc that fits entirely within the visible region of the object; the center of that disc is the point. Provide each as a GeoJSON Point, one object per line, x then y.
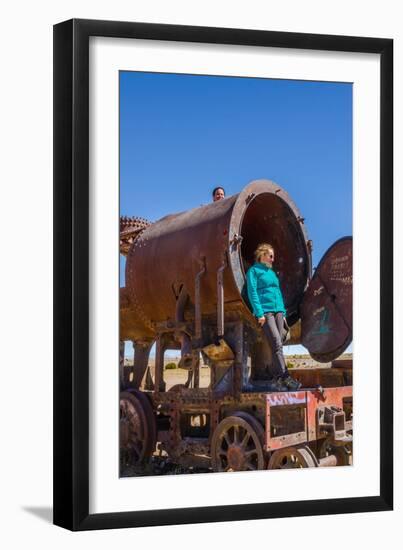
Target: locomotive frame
{"type": "Point", "coordinates": [71, 286]}
{"type": "Point", "coordinates": [309, 428]}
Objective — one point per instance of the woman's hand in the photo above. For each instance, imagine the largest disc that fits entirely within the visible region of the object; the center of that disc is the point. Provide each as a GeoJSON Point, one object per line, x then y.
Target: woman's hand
{"type": "Point", "coordinates": [261, 320]}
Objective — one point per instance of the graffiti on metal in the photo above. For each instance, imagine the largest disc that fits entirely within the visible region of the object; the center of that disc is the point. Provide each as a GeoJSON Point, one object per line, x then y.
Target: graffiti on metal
{"type": "Point", "coordinates": [289, 398]}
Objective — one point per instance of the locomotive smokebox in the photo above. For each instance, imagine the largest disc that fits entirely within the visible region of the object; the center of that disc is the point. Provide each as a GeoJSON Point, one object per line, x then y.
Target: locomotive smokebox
{"type": "Point", "coordinates": [204, 253]}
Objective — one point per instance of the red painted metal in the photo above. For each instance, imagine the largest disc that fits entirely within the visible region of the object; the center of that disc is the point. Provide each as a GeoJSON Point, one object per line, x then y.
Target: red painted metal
{"type": "Point", "coordinates": [309, 402]}
{"type": "Point", "coordinates": [284, 401]}
{"type": "Point", "coordinates": [329, 396]}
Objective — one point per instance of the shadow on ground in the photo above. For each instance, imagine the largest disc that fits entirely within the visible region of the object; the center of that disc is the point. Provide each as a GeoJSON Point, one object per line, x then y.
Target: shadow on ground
{"type": "Point", "coordinates": [42, 512]}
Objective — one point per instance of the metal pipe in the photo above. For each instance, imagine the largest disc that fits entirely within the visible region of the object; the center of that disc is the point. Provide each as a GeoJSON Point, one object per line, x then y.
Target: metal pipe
{"type": "Point", "coordinates": [141, 357]}
{"type": "Point", "coordinates": [159, 364]}
{"type": "Point", "coordinates": [220, 297]}
{"type": "Point", "coordinates": [180, 305]}
{"type": "Point", "coordinates": [330, 460]}
{"type": "Point", "coordinates": [198, 315]}
{"type": "Point", "coordinates": [186, 360]}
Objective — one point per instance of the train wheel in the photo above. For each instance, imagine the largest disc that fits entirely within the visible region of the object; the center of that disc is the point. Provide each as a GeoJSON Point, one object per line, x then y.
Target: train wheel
{"type": "Point", "coordinates": [150, 421]}
{"type": "Point", "coordinates": [292, 457]}
{"type": "Point", "coordinates": [343, 453]}
{"type": "Point", "coordinates": [237, 444]}
{"type": "Point", "coordinates": [137, 427]}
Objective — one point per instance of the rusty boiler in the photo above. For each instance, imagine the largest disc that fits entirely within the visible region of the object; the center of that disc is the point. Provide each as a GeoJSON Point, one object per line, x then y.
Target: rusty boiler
{"type": "Point", "coordinates": [185, 286]}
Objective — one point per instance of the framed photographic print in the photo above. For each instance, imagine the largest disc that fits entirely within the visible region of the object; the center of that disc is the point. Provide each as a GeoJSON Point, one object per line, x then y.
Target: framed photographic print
{"type": "Point", "coordinates": [223, 218]}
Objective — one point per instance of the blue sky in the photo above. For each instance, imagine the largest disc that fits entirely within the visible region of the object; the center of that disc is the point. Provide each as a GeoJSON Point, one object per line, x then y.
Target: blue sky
{"type": "Point", "coordinates": [182, 135]}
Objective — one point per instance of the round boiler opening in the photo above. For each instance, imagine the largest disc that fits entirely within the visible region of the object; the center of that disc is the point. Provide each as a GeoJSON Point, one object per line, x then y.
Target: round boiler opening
{"type": "Point", "coordinates": [269, 219]}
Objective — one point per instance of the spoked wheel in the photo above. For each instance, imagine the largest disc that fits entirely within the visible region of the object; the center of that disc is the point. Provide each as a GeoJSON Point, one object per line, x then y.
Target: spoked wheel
{"type": "Point", "coordinates": [237, 444]}
{"type": "Point", "coordinates": [343, 453]}
{"type": "Point", "coordinates": [137, 427]}
{"type": "Point", "coordinates": [292, 457]}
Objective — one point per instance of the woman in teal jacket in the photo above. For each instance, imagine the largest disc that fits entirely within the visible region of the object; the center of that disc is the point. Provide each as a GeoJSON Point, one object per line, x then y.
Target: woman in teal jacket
{"type": "Point", "coordinates": [267, 303]}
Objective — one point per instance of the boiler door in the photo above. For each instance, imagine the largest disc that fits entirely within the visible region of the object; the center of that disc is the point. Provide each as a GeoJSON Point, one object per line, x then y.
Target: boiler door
{"type": "Point", "coordinates": [327, 305]}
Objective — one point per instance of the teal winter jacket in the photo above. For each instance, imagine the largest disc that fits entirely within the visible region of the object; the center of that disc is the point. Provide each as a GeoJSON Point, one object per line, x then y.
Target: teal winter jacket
{"type": "Point", "coordinates": [263, 289]}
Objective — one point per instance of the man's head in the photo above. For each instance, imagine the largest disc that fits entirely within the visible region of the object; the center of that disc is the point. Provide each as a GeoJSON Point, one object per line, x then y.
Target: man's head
{"type": "Point", "coordinates": [218, 193]}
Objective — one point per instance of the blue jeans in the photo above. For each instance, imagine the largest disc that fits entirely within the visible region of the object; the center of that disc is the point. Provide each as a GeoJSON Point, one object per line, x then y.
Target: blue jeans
{"type": "Point", "coordinates": [273, 329]}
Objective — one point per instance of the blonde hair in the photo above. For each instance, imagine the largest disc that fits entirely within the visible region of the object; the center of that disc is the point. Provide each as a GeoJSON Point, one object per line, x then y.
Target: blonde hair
{"type": "Point", "coordinates": [261, 249]}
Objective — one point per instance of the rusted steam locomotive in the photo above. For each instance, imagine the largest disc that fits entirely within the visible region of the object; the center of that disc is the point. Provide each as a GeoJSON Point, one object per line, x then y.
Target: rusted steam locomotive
{"type": "Point", "coordinates": [185, 290]}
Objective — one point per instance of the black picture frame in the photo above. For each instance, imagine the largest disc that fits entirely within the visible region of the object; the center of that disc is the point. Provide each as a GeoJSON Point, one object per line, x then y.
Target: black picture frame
{"type": "Point", "coordinates": [71, 273]}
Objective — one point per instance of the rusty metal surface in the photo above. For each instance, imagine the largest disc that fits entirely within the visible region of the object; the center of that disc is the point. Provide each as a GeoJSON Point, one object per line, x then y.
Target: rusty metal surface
{"type": "Point", "coordinates": [329, 397]}
{"type": "Point", "coordinates": [130, 228]}
{"type": "Point", "coordinates": [325, 377]}
{"type": "Point", "coordinates": [167, 256]}
{"type": "Point", "coordinates": [342, 364]}
{"type": "Point", "coordinates": [294, 335]}
{"type": "Point", "coordinates": [220, 352]}
{"type": "Point", "coordinates": [326, 309]}
{"type": "Point", "coordinates": [131, 325]}
{"type": "Point", "coordinates": [331, 422]}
